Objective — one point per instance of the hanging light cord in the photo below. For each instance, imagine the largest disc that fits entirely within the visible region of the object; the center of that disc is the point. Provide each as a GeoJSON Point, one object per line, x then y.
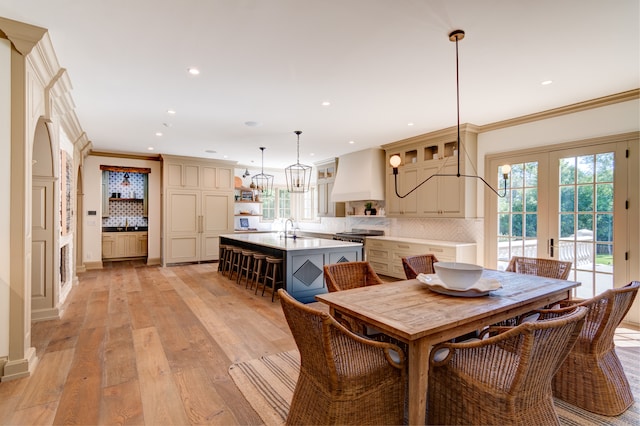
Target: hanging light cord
{"type": "Point", "coordinates": [457, 35]}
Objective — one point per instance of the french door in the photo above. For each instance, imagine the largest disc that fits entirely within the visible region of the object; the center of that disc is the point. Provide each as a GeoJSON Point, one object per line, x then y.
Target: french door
{"type": "Point", "coordinates": [566, 204]}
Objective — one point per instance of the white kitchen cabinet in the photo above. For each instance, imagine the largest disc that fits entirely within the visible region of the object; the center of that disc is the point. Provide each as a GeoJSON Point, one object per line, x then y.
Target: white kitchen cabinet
{"type": "Point", "coordinates": [198, 207]}
{"type": "Point", "coordinates": [325, 179]}
{"type": "Point", "coordinates": [385, 253]}
{"type": "Point", "coordinates": [122, 245]}
{"type": "Point", "coordinates": [423, 156]}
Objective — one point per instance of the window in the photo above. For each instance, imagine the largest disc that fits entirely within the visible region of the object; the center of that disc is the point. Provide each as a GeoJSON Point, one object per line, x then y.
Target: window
{"type": "Point", "coordinates": [283, 204]}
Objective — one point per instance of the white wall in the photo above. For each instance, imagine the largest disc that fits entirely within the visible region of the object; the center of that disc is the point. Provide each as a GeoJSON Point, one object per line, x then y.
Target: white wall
{"type": "Point", "coordinates": [608, 120]}
{"type": "Point", "coordinates": [92, 235]}
{"type": "Point", "coordinates": [5, 187]}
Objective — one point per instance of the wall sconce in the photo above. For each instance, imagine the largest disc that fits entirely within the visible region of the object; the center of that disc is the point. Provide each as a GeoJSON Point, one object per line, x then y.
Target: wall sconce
{"type": "Point", "coordinates": [125, 181]}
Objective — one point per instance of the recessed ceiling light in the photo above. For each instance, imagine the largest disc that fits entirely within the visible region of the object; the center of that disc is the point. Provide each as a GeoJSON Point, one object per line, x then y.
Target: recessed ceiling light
{"type": "Point", "coordinates": [352, 142]}
{"type": "Point", "coordinates": [193, 71]}
{"type": "Point", "coordinates": [253, 123]}
{"type": "Point", "coordinates": [410, 123]}
{"type": "Point", "coordinates": [158, 133]}
{"type": "Point", "coordinates": [546, 82]}
{"type": "Point", "coordinates": [171, 111]}
{"type": "Point", "coordinates": [326, 103]}
{"type": "Point", "coordinates": [150, 148]}
{"type": "Point", "coordinates": [312, 154]}
{"type": "Point", "coordinates": [224, 156]}
{"type": "Point", "coordinates": [210, 151]}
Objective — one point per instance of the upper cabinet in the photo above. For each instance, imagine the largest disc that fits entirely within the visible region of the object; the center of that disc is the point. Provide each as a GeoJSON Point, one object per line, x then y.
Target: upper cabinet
{"type": "Point", "coordinates": [193, 174]}
{"type": "Point", "coordinates": [325, 180]}
{"type": "Point", "coordinates": [424, 156]}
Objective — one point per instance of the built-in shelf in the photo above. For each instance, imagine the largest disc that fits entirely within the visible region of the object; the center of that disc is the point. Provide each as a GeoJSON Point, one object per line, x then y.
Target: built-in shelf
{"type": "Point", "coordinates": [366, 215]}
{"type": "Point", "coordinates": [247, 201]}
{"type": "Point", "coordinates": [126, 199]}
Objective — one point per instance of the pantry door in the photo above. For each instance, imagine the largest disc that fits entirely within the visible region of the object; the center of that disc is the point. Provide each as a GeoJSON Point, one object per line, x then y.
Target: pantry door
{"type": "Point", "coordinates": [566, 204]}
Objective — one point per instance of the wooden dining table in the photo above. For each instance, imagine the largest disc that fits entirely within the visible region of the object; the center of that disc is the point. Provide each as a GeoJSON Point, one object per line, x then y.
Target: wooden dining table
{"type": "Point", "coordinates": [412, 313]}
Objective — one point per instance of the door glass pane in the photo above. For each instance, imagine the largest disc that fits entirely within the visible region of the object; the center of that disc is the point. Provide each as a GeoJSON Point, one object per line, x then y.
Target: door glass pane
{"type": "Point", "coordinates": [517, 214]}
{"type": "Point", "coordinates": [586, 220]}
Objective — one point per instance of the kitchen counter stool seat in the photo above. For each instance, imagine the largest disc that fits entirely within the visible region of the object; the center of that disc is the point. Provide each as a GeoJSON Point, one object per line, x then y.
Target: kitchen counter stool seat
{"type": "Point", "coordinates": [273, 275]}
{"type": "Point", "coordinates": [228, 260]}
{"type": "Point", "coordinates": [235, 261]}
{"type": "Point", "coordinates": [246, 266]}
{"type": "Point", "coordinates": [257, 274]}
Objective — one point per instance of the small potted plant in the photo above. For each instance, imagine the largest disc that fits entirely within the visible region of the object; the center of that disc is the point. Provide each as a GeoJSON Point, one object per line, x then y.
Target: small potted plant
{"type": "Point", "coordinates": [368, 209]}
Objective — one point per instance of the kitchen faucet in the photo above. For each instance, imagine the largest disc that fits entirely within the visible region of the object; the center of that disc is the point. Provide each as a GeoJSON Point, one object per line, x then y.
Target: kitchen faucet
{"type": "Point", "coordinates": [292, 227]}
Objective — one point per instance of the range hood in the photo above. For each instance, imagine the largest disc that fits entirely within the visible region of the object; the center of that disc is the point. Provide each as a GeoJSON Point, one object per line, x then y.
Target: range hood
{"type": "Point", "coordinates": [360, 176]}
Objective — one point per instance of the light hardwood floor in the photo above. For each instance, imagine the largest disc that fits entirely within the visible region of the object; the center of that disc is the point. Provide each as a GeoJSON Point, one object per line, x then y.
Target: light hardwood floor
{"type": "Point", "coordinates": [147, 345]}
{"type": "Point", "coordinates": [151, 345]}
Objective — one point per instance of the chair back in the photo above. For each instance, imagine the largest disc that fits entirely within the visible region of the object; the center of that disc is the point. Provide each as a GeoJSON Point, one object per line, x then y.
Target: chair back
{"type": "Point", "coordinates": [547, 344]}
{"type": "Point", "coordinates": [606, 312]}
{"type": "Point", "coordinates": [311, 331]}
{"type": "Point", "coordinates": [419, 264]}
{"type": "Point", "coordinates": [346, 275]}
{"type": "Point", "coordinates": [549, 268]}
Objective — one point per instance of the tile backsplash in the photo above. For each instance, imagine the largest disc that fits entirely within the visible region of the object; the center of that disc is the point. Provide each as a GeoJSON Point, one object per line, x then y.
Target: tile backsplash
{"type": "Point", "coordinates": [129, 208]}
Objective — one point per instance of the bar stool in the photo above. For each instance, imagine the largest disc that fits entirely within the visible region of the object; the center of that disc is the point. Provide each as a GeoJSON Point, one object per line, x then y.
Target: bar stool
{"type": "Point", "coordinates": [246, 265]}
{"type": "Point", "coordinates": [223, 250]}
{"type": "Point", "coordinates": [273, 274]}
{"type": "Point", "coordinates": [228, 260]}
{"type": "Point", "coordinates": [235, 261]}
{"type": "Point", "coordinates": [259, 264]}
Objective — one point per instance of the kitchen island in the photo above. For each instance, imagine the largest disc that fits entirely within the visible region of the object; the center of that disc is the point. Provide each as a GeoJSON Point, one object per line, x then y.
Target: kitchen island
{"type": "Point", "coordinates": [303, 258]}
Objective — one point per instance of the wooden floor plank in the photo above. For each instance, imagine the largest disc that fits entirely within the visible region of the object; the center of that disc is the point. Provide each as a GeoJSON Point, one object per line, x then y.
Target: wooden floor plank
{"type": "Point", "coordinates": [122, 404]}
{"type": "Point", "coordinates": [120, 356]}
{"type": "Point", "coordinates": [202, 403]}
{"type": "Point", "coordinates": [161, 402]}
{"type": "Point", "coordinates": [48, 384]}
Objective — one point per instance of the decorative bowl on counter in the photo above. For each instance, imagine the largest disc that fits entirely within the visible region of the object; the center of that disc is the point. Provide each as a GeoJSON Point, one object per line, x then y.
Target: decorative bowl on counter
{"type": "Point", "coordinates": [458, 275]}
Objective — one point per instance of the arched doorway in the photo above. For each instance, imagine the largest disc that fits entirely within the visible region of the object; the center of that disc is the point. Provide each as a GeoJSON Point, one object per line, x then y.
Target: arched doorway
{"type": "Point", "coordinates": [44, 297]}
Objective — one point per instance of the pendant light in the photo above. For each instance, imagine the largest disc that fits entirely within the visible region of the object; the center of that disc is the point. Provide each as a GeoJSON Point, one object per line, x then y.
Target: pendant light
{"type": "Point", "coordinates": [262, 181]}
{"type": "Point", "coordinates": [246, 173]}
{"type": "Point", "coordinates": [125, 181]}
{"type": "Point", "coordinates": [298, 175]}
{"type": "Point", "coordinates": [395, 160]}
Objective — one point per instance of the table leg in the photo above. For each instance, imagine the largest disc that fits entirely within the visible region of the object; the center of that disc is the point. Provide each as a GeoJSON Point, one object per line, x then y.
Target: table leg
{"type": "Point", "coordinates": [418, 380]}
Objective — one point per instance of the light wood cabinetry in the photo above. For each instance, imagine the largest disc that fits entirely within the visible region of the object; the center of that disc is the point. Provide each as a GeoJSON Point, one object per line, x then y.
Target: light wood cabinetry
{"type": "Point", "coordinates": [325, 179]}
{"type": "Point", "coordinates": [198, 206]}
{"type": "Point", "coordinates": [121, 245]}
{"type": "Point", "coordinates": [423, 156]}
{"type": "Point", "coordinates": [385, 253]}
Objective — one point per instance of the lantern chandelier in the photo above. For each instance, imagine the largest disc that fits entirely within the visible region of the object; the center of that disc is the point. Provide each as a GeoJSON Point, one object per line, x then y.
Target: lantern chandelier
{"type": "Point", "coordinates": [298, 175]}
{"type": "Point", "coordinates": [395, 160]}
{"type": "Point", "coordinates": [262, 181]}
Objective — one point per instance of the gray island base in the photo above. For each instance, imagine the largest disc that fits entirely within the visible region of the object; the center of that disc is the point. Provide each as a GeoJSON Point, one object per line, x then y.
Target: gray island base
{"type": "Point", "coordinates": [303, 258]}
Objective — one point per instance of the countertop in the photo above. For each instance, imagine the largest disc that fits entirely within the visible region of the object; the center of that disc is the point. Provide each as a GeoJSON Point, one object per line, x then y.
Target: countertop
{"type": "Point", "coordinates": [273, 240]}
{"type": "Point", "coordinates": [421, 241]}
{"type": "Point", "coordinates": [124, 229]}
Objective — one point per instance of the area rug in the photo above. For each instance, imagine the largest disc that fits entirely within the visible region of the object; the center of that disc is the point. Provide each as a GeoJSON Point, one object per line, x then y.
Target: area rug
{"type": "Point", "coordinates": [268, 385]}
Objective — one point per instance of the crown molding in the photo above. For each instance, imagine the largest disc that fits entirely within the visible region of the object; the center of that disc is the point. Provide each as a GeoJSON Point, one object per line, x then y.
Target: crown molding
{"type": "Point", "coordinates": [568, 109]}
{"type": "Point", "coordinates": [23, 36]}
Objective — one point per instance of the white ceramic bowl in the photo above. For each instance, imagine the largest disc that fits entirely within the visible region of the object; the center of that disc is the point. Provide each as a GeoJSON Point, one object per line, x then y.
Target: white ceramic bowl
{"type": "Point", "coordinates": [457, 275]}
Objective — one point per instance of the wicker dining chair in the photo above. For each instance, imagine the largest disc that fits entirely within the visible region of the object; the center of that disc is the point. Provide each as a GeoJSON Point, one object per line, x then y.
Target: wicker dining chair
{"type": "Point", "coordinates": [592, 376]}
{"type": "Point", "coordinates": [419, 264]}
{"type": "Point", "coordinates": [549, 268]}
{"type": "Point", "coordinates": [344, 276]}
{"type": "Point", "coordinates": [344, 378]}
{"type": "Point", "coordinates": [504, 379]}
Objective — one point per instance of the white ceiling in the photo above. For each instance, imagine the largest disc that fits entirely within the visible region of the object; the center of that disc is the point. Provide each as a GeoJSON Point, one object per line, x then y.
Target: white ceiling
{"type": "Point", "coordinates": [381, 64]}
